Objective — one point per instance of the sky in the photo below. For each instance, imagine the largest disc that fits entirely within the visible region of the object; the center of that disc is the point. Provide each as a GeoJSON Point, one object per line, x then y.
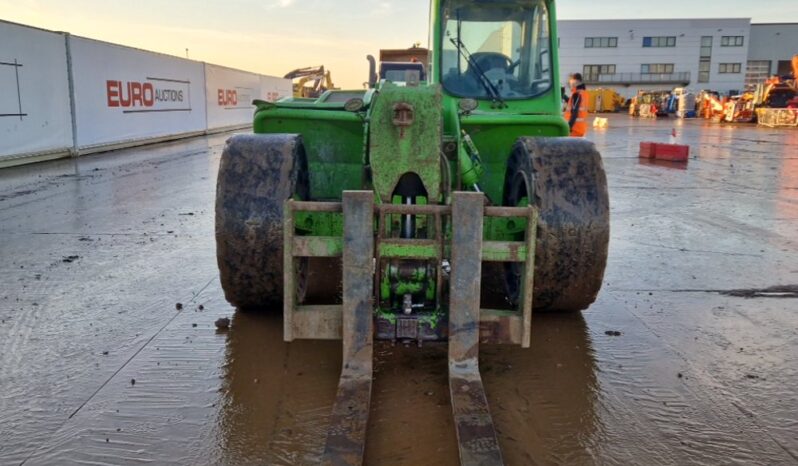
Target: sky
{"type": "Point", "coordinates": [275, 36]}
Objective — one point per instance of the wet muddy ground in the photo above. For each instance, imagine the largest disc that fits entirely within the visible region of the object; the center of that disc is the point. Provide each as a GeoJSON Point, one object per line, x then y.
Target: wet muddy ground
{"type": "Point", "coordinates": [689, 356]}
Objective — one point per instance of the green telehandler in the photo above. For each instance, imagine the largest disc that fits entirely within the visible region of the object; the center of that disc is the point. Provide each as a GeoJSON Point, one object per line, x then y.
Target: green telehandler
{"type": "Point", "coordinates": [420, 210]}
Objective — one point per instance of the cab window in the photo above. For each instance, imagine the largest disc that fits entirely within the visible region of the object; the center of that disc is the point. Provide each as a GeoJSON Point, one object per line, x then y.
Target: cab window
{"type": "Point", "coordinates": [495, 47]}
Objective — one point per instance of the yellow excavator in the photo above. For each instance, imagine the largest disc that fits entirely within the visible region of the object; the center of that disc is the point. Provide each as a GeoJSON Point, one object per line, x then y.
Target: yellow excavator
{"type": "Point", "coordinates": [310, 82]}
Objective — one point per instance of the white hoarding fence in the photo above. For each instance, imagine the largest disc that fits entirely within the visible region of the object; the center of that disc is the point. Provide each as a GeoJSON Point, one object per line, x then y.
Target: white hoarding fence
{"type": "Point", "coordinates": [125, 95]}
{"type": "Point", "coordinates": [35, 116]}
{"type": "Point", "coordinates": [229, 95]}
{"type": "Point", "coordinates": [61, 94]}
{"type": "Point", "coordinates": [273, 88]}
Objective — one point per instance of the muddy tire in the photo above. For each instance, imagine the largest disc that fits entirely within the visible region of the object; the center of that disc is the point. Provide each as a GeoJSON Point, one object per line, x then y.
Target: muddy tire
{"type": "Point", "coordinates": [257, 174]}
{"type": "Point", "coordinates": [565, 179]}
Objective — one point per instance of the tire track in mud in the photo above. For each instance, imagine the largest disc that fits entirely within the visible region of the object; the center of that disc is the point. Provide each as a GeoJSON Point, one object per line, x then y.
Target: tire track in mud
{"type": "Point", "coordinates": [674, 423]}
{"type": "Point", "coordinates": [740, 350]}
{"type": "Point", "coordinates": [20, 371]}
{"type": "Point", "coordinates": [710, 426]}
{"type": "Point", "coordinates": [135, 353]}
{"type": "Point", "coordinates": [100, 302]}
{"type": "Point", "coordinates": [137, 347]}
{"type": "Point", "coordinates": [156, 403]}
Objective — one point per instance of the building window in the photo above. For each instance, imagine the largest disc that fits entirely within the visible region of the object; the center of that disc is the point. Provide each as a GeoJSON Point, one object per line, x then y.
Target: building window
{"type": "Point", "coordinates": [592, 72]}
{"type": "Point", "coordinates": [664, 41]}
{"type": "Point", "coordinates": [601, 42]}
{"type": "Point", "coordinates": [732, 41]}
{"type": "Point", "coordinates": [706, 46]}
{"type": "Point", "coordinates": [730, 68]}
{"type": "Point", "coordinates": [756, 72]}
{"type": "Point", "coordinates": [657, 68]}
{"type": "Point", "coordinates": [705, 60]}
{"type": "Point", "coordinates": [703, 70]}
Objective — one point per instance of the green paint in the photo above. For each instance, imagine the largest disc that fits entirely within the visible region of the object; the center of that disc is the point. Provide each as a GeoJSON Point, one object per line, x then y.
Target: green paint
{"type": "Point", "coordinates": [395, 149]}
{"type": "Point", "coordinates": [319, 223]}
{"type": "Point", "coordinates": [408, 287]}
{"type": "Point", "coordinates": [325, 246]}
{"type": "Point", "coordinates": [431, 288]}
{"type": "Point", "coordinates": [415, 251]}
{"type": "Point", "coordinates": [333, 142]}
{"type": "Point", "coordinates": [431, 319]}
{"type": "Point", "coordinates": [506, 229]}
{"type": "Point", "coordinates": [470, 162]}
{"type": "Point", "coordinates": [385, 286]}
{"type": "Point", "coordinates": [367, 149]}
{"type": "Point", "coordinates": [499, 253]}
{"type": "Point", "coordinates": [493, 130]}
{"type": "Point", "coordinates": [388, 315]}
{"type": "Point", "coordinates": [392, 284]}
{"type": "Point", "coordinates": [495, 137]}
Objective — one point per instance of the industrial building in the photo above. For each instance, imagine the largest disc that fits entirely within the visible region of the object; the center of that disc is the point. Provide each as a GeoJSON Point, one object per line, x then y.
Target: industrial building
{"type": "Point", "coordinates": [770, 50]}
{"type": "Point", "coordinates": [723, 54]}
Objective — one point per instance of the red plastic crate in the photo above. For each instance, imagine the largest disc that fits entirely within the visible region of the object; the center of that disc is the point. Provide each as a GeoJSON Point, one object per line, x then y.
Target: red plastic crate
{"type": "Point", "coordinates": [669, 152]}
{"type": "Point", "coordinates": [647, 150]}
{"type": "Point", "coordinates": [672, 152]}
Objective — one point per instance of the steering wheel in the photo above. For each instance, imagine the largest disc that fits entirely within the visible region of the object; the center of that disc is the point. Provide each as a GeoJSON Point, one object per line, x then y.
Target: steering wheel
{"type": "Point", "coordinates": [491, 60]}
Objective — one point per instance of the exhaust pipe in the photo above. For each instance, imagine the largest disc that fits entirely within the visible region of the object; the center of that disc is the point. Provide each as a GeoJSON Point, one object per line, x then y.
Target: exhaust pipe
{"type": "Point", "coordinates": [372, 71]}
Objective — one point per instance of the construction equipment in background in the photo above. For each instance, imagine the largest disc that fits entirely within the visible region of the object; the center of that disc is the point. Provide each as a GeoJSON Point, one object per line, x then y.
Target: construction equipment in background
{"type": "Point", "coordinates": [730, 109]}
{"type": "Point", "coordinates": [399, 66]}
{"type": "Point", "coordinates": [740, 109]}
{"type": "Point", "coordinates": [778, 117]}
{"type": "Point", "coordinates": [437, 210]}
{"type": "Point", "coordinates": [710, 105]}
{"type": "Point", "coordinates": [604, 100]}
{"type": "Point", "coordinates": [669, 103]}
{"type": "Point", "coordinates": [416, 54]}
{"type": "Point", "coordinates": [777, 100]}
{"type": "Point", "coordinates": [686, 107]}
{"type": "Point", "coordinates": [310, 82]}
{"type": "Point", "coordinates": [776, 93]}
{"type": "Point", "coordinates": [634, 107]}
{"type": "Point", "coordinates": [650, 104]}
{"type": "Point", "coordinates": [770, 103]}
{"type": "Point", "coordinates": [781, 107]}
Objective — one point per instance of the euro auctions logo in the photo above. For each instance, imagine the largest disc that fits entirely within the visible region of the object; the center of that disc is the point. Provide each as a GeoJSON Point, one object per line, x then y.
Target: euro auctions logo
{"type": "Point", "coordinates": [237, 98]}
{"type": "Point", "coordinates": [227, 97]}
{"type": "Point", "coordinates": [150, 95]}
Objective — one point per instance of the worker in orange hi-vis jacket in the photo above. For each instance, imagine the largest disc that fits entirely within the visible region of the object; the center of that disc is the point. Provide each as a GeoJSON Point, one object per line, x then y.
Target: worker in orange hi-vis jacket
{"type": "Point", "coordinates": [576, 112]}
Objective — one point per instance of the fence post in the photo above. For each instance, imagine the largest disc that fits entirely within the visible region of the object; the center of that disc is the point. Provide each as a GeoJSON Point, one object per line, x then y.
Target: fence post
{"type": "Point", "coordinates": [71, 80]}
